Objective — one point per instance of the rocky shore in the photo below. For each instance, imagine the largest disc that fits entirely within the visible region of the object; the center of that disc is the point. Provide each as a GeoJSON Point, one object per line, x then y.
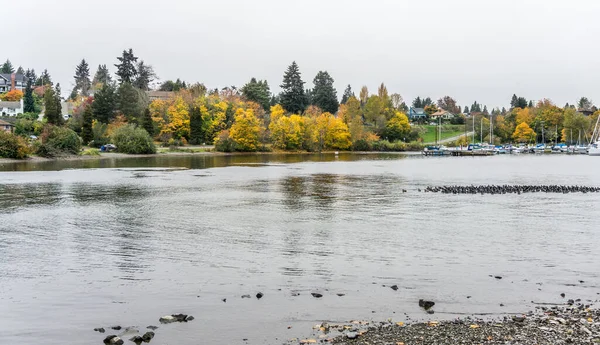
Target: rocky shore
{"type": "Point", "coordinates": [571, 324]}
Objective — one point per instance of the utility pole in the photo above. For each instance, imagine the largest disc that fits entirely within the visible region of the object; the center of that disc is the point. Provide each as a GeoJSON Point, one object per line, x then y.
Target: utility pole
{"type": "Point", "coordinates": [481, 130]}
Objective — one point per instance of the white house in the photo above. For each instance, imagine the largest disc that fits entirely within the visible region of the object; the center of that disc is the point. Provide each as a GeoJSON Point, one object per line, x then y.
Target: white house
{"type": "Point", "coordinates": [443, 114]}
{"type": "Point", "coordinates": [11, 108]}
{"type": "Point", "coordinates": [9, 82]}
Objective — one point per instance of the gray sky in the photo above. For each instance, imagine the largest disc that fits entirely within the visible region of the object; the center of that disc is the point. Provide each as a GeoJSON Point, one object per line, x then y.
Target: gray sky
{"type": "Point", "coordinates": [468, 49]}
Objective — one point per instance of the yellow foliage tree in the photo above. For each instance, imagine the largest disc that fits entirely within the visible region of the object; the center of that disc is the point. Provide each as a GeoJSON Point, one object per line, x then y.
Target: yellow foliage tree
{"type": "Point", "coordinates": [397, 127]}
{"type": "Point", "coordinates": [288, 132]}
{"type": "Point", "coordinates": [524, 115]}
{"type": "Point", "coordinates": [331, 133]}
{"type": "Point", "coordinates": [523, 133]}
{"type": "Point", "coordinates": [179, 119]}
{"type": "Point", "coordinates": [214, 117]}
{"type": "Point", "coordinates": [277, 111]}
{"type": "Point", "coordinates": [245, 130]}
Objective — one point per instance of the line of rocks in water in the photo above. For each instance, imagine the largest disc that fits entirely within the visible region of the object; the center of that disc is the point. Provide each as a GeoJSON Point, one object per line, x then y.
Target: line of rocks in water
{"type": "Point", "coordinates": [114, 339]}
{"type": "Point", "coordinates": [557, 325]}
{"type": "Point", "coordinates": [512, 189]}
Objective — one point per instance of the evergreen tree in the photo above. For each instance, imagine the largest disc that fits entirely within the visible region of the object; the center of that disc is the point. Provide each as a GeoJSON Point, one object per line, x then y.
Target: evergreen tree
{"type": "Point", "coordinates": [147, 122]}
{"type": "Point", "coordinates": [51, 111]}
{"type": "Point", "coordinates": [427, 101]}
{"type": "Point", "coordinates": [129, 102]}
{"type": "Point", "coordinates": [58, 100]}
{"type": "Point", "coordinates": [73, 95]}
{"type": "Point", "coordinates": [82, 78]}
{"type": "Point", "coordinates": [293, 97]}
{"type": "Point", "coordinates": [20, 70]}
{"type": "Point", "coordinates": [126, 70]}
{"type": "Point", "coordinates": [102, 75]}
{"type": "Point", "coordinates": [104, 103]}
{"type": "Point", "coordinates": [30, 75]}
{"type": "Point", "coordinates": [275, 100]}
{"type": "Point", "coordinates": [522, 102]}
{"type": "Point", "coordinates": [87, 134]}
{"type": "Point", "coordinates": [485, 110]}
{"type": "Point", "coordinates": [196, 132]}
{"type": "Point", "coordinates": [584, 103]}
{"type": "Point", "coordinates": [258, 92]}
{"type": "Point", "coordinates": [347, 94]}
{"type": "Point", "coordinates": [44, 79]}
{"type": "Point", "coordinates": [417, 103]}
{"type": "Point", "coordinates": [514, 102]}
{"type": "Point", "coordinates": [503, 111]}
{"type": "Point", "coordinates": [7, 67]}
{"type": "Point", "coordinates": [466, 111]}
{"type": "Point", "coordinates": [324, 94]}
{"type": "Point", "coordinates": [308, 95]}
{"type": "Point", "coordinates": [145, 76]}
{"type": "Point", "coordinates": [28, 101]}
{"type": "Point", "coordinates": [530, 105]}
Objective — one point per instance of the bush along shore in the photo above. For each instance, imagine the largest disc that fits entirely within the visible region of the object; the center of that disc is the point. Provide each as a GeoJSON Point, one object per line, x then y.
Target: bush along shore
{"type": "Point", "coordinates": [575, 323]}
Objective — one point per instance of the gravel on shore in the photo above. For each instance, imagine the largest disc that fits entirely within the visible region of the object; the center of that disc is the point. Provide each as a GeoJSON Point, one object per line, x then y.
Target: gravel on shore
{"type": "Point", "coordinates": [575, 324]}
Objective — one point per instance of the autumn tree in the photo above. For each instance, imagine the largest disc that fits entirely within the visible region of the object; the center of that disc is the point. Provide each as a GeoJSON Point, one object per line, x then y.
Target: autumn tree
{"type": "Point", "coordinates": [354, 119]}
{"type": "Point", "coordinates": [196, 133]}
{"type": "Point", "coordinates": [12, 96]}
{"type": "Point", "coordinates": [575, 125]}
{"type": "Point", "coordinates": [347, 94]}
{"type": "Point", "coordinates": [87, 134]}
{"type": "Point", "coordinates": [145, 76]}
{"type": "Point", "coordinates": [374, 108]}
{"type": "Point", "coordinates": [7, 67]}
{"type": "Point", "coordinates": [245, 130]}
{"type": "Point", "coordinates": [82, 78]}
{"type": "Point", "coordinates": [449, 104]}
{"type": "Point", "coordinates": [179, 119]}
{"type": "Point", "coordinates": [397, 101]}
{"type": "Point", "coordinates": [293, 97]}
{"type": "Point", "coordinates": [364, 96]}
{"type": "Point", "coordinates": [523, 133]}
{"type": "Point", "coordinates": [382, 92]}
{"type": "Point", "coordinates": [397, 127]}
{"type": "Point", "coordinates": [331, 132]}
{"type": "Point", "coordinates": [430, 109]}
{"type": "Point", "coordinates": [257, 91]}
{"type": "Point", "coordinates": [324, 94]}
{"type": "Point", "coordinates": [126, 69]}
{"type": "Point", "coordinates": [524, 116]}
{"type": "Point", "coordinates": [102, 76]}
{"type": "Point", "coordinates": [104, 105]}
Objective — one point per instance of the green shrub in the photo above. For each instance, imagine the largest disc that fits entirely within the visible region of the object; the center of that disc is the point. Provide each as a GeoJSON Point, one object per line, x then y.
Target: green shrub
{"type": "Point", "coordinates": [58, 141]}
{"type": "Point", "coordinates": [12, 146]}
{"type": "Point", "coordinates": [386, 146]}
{"type": "Point", "coordinates": [133, 140]}
{"type": "Point", "coordinates": [362, 145]}
{"type": "Point", "coordinates": [99, 131]}
{"type": "Point", "coordinates": [91, 152]}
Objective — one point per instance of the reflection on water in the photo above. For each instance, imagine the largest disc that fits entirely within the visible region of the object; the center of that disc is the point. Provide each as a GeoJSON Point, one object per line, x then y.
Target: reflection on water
{"type": "Point", "coordinates": [129, 244]}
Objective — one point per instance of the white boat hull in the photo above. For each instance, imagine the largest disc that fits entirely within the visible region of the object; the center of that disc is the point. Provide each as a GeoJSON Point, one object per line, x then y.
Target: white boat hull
{"type": "Point", "coordinates": [594, 150]}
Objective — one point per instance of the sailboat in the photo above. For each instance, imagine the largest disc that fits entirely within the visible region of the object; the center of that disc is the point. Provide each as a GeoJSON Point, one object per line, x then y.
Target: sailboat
{"type": "Point", "coordinates": [594, 149]}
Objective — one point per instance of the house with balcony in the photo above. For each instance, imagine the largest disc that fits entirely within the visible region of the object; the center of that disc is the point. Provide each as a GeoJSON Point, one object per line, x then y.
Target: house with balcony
{"type": "Point", "coordinates": [9, 82]}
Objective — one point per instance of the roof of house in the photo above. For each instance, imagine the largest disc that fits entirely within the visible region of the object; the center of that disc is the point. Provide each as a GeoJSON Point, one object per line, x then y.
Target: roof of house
{"type": "Point", "coordinates": [13, 105]}
{"type": "Point", "coordinates": [441, 113]}
{"type": "Point", "coordinates": [418, 110]}
{"type": "Point", "coordinates": [18, 77]}
{"type": "Point", "coordinates": [4, 123]}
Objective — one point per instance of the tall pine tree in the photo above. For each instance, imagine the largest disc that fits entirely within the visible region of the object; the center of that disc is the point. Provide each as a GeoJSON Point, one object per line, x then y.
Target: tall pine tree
{"type": "Point", "coordinates": [145, 75]}
{"type": "Point", "coordinates": [129, 102]}
{"type": "Point", "coordinates": [258, 92]}
{"type": "Point", "coordinates": [126, 69]}
{"type": "Point", "coordinates": [324, 94]}
{"type": "Point", "coordinates": [58, 101]}
{"type": "Point", "coordinates": [7, 67]}
{"type": "Point", "coordinates": [44, 79]}
{"type": "Point", "coordinates": [196, 131]}
{"type": "Point", "coordinates": [105, 103]}
{"type": "Point", "coordinates": [87, 134]}
{"type": "Point", "coordinates": [293, 98]}
{"type": "Point", "coordinates": [102, 75]}
{"type": "Point", "coordinates": [347, 94]}
{"type": "Point", "coordinates": [82, 78]}
{"type": "Point", "coordinates": [20, 71]}
{"type": "Point", "coordinates": [28, 101]}
{"type": "Point", "coordinates": [466, 111]}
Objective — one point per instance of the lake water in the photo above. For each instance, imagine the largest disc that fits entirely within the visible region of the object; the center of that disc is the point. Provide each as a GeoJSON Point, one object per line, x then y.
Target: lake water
{"type": "Point", "coordinates": [88, 244]}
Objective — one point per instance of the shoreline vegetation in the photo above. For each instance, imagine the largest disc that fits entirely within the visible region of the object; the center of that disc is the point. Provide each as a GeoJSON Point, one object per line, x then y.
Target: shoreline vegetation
{"type": "Point", "coordinates": [137, 117]}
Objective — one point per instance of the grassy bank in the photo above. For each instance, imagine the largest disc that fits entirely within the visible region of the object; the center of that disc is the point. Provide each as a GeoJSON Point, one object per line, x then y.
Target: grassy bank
{"type": "Point", "coordinates": [428, 132]}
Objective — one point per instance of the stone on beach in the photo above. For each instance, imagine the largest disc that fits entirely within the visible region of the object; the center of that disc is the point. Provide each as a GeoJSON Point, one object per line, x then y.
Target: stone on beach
{"type": "Point", "coordinates": [113, 340]}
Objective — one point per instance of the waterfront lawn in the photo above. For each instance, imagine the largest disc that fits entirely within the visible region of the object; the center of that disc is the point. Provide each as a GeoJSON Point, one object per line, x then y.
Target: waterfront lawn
{"type": "Point", "coordinates": [448, 131]}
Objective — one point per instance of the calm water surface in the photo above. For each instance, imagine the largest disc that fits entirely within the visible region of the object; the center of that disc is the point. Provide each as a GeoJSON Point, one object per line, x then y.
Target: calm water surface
{"type": "Point", "coordinates": [100, 243]}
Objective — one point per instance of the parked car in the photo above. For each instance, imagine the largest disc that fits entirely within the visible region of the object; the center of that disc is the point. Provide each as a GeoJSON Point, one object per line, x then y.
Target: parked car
{"type": "Point", "coordinates": [108, 148]}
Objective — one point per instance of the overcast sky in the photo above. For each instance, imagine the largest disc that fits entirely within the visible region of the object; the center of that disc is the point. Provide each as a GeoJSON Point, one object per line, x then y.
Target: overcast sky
{"type": "Point", "coordinates": [468, 49]}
